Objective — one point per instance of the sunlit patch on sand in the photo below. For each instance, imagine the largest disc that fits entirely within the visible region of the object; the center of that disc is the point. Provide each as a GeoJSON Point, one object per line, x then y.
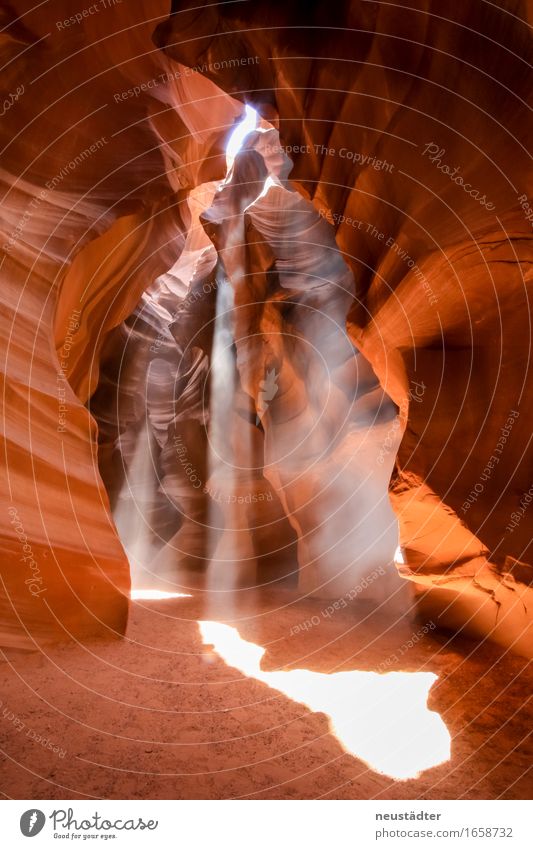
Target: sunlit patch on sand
{"type": "Point", "coordinates": [381, 719]}
{"type": "Point", "coordinates": [156, 594]}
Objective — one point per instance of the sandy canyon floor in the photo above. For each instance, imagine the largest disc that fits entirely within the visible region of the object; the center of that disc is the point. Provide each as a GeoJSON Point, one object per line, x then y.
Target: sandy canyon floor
{"type": "Point", "coordinates": [165, 714]}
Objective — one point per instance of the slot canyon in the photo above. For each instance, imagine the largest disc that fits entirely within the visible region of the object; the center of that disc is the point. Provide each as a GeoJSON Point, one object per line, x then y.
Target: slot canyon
{"type": "Point", "coordinates": [267, 390]}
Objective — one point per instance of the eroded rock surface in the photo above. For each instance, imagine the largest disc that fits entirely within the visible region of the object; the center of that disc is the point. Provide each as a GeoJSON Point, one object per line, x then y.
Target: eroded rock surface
{"type": "Point", "coordinates": [404, 138]}
{"type": "Point", "coordinates": [409, 130]}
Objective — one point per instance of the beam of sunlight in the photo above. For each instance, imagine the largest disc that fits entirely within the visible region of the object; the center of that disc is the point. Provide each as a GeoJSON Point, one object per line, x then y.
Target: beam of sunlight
{"type": "Point", "coordinates": [156, 594]}
{"type": "Point", "coordinates": [247, 125]}
{"type": "Point", "coordinates": [232, 555]}
{"type": "Point", "coordinates": [383, 719]}
{"type": "Point", "coordinates": [398, 556]}
{"type": "Point", "coordinates": [139, 485]}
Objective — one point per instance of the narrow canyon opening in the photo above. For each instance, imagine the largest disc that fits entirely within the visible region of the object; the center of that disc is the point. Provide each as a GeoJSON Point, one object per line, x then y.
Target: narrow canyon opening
{"type": "Point", "coordinates": [243, 439]}
{"type": "Point", "coordinates": [266, 375]}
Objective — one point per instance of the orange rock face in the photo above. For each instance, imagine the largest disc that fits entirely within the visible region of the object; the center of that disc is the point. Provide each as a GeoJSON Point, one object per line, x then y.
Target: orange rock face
{"type": "Point", "coordinates": [91, 215]}
{"type": "Point", "coordinates": [391, 266]}
{"type": "Point", "coordinates": [409, 131]}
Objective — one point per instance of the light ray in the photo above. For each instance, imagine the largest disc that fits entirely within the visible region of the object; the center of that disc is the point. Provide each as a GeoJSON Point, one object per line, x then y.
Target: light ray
{"type": "Point", "coordinates": [247, 125]}
{"type": "Point", "coordinates": [156, 594]}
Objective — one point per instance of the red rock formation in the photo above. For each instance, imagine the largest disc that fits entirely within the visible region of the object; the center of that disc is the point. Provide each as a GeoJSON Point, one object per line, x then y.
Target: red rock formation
{"type": "Point", "coordinates": [323, 413]}
{"type": "Point", "coordinates": [91, 214]}
{"type": "Point", "coordinates": [408, 130]}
